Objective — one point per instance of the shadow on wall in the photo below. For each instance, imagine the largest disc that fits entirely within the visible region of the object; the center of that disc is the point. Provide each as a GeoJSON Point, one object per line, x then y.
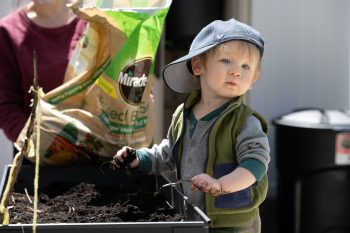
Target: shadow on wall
{"type": "Point", "coordinates": [183, 23]}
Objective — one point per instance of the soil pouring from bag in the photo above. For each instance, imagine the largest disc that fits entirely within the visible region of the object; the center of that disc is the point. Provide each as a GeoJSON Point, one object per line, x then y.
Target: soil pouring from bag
{"type": "Point", "coordinates": [86, 203]}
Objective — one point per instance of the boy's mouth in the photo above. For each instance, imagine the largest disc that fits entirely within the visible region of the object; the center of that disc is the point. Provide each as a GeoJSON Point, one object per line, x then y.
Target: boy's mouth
{"type": "Point", "coordinates": [231, 84]}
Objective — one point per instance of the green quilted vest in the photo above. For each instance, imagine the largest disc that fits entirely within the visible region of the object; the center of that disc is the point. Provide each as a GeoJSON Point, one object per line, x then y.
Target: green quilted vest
{"type": "Point", "coordinates": [234, 209]}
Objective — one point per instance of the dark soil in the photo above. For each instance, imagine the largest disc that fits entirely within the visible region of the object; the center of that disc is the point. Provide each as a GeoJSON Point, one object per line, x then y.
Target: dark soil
{"type": "Point", "coordinates": [85, 203]}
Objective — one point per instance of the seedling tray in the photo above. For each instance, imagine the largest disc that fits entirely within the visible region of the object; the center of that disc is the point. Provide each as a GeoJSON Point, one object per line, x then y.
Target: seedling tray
{"type": "Point", "coordinates": [194, 220]}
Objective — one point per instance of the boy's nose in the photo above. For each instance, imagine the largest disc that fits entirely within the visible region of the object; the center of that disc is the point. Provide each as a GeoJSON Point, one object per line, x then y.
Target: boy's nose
{"type": "Point", "coordinates": [235, 72]}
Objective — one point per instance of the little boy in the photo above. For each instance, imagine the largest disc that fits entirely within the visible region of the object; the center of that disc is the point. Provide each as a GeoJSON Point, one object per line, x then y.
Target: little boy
{"type": "Point", "coordinates": [216, 143]}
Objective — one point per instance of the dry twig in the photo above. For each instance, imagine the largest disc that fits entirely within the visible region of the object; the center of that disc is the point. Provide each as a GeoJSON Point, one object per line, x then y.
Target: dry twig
{"type": "Point", "coordinates": [26, 191]}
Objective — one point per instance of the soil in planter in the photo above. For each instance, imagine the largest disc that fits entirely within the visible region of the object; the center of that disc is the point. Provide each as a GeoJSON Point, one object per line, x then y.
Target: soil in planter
{"type": "Point", "coordinates": [85, 203]}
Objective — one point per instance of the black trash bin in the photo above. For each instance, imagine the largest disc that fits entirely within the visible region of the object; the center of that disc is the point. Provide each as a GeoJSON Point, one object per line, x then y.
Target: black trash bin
{"type": "Point", "coordinates": [313, 164]}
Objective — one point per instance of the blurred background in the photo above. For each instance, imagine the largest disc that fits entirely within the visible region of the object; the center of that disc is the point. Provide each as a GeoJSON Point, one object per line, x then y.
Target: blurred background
{"type": "Point", "coordinates": [305, 69]}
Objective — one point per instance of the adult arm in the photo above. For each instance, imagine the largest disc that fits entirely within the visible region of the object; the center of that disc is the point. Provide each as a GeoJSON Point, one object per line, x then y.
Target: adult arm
{"type": "Point", "coordinates": [12, 114]}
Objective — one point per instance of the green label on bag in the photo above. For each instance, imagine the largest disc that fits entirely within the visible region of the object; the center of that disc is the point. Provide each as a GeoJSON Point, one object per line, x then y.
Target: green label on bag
{"type": "Point", "coordinates": [132, 65]}
{"type": "Point", "coordinates": [123, 129]}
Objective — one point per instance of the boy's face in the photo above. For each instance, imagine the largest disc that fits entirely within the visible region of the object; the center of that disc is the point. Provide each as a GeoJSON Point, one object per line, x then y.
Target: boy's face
{"type": "Point", "coordinates": [227, 73]}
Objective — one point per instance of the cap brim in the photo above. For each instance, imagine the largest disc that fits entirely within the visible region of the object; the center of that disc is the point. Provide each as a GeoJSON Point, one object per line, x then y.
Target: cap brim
{"type": "Point", "coordinates": [177, 76]}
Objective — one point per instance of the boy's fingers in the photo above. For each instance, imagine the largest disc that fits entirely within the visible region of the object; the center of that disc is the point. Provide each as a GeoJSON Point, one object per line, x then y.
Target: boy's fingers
{"type": "Point", "coordinates": [114, 163]}
{"type": "Point", "coordinates": [207, 185]}
{"type": "Point", "coordinates": [125, 158]}
{"type": "Point", "coordinates": [193, 188]}
{"type": "Point", "coordinates": [118, 159]}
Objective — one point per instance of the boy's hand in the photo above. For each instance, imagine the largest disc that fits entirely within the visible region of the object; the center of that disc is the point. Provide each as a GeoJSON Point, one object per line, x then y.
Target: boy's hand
{"type": "Point", "coordinates": [207, 184]}
{"type": "Point", "coordinates": [125, 158]}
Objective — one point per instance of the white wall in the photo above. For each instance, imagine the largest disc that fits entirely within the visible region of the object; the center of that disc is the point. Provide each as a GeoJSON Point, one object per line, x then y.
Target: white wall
{"type": "Point", "coordinates": [5, 6]}
{"type": "Point", "coordinates": [306, 61]}
{"type": "Point", "coordinates": [10, 5]}
{"type": "Point", "coordinates": [6, 151]}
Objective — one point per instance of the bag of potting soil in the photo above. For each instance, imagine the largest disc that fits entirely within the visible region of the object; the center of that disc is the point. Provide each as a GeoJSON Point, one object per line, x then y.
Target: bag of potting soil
{"type": "Point", "coordinates": [105, 101]}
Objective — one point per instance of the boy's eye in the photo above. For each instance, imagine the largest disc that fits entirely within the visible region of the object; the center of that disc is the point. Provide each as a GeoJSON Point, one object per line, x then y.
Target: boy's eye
{"type": "Point", "coordinates": [225, 60]}
{"type": "Point", "coordinates": [245, 66]}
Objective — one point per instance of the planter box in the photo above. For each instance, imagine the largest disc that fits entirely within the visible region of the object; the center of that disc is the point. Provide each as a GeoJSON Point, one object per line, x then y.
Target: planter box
{"type": "Point", "coordinates": [127, 183]}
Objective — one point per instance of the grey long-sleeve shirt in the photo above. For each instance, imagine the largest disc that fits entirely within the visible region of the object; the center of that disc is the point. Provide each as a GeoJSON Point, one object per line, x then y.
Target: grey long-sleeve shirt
{"type": "Point", "coordinates": [252, 143]}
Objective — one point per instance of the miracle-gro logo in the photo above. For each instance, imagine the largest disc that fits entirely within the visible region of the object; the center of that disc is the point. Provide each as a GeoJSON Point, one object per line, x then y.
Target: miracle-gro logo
{"type": "Point", "coordinates": [133, 80]}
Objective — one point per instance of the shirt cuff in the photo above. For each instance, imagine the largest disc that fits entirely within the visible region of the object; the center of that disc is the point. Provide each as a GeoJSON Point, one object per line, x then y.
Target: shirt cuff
{"type": "Point", "coordinates": [256, 167]}
{"type": "Point", "coordinates": [145, 162]}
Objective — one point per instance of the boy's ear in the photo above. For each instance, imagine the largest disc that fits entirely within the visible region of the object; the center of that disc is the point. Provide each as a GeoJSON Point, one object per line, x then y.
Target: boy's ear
{"type": "Point", "coordinates": [256, 75]}
{"type": "Point", "coordinates": [196, 65]}
{"type": "Point", "coordinates": [255, 78]}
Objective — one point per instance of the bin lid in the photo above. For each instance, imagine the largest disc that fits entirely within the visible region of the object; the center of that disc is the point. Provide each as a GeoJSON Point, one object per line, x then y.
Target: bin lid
{"type": "Point", "coordinates": [316, 118]}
